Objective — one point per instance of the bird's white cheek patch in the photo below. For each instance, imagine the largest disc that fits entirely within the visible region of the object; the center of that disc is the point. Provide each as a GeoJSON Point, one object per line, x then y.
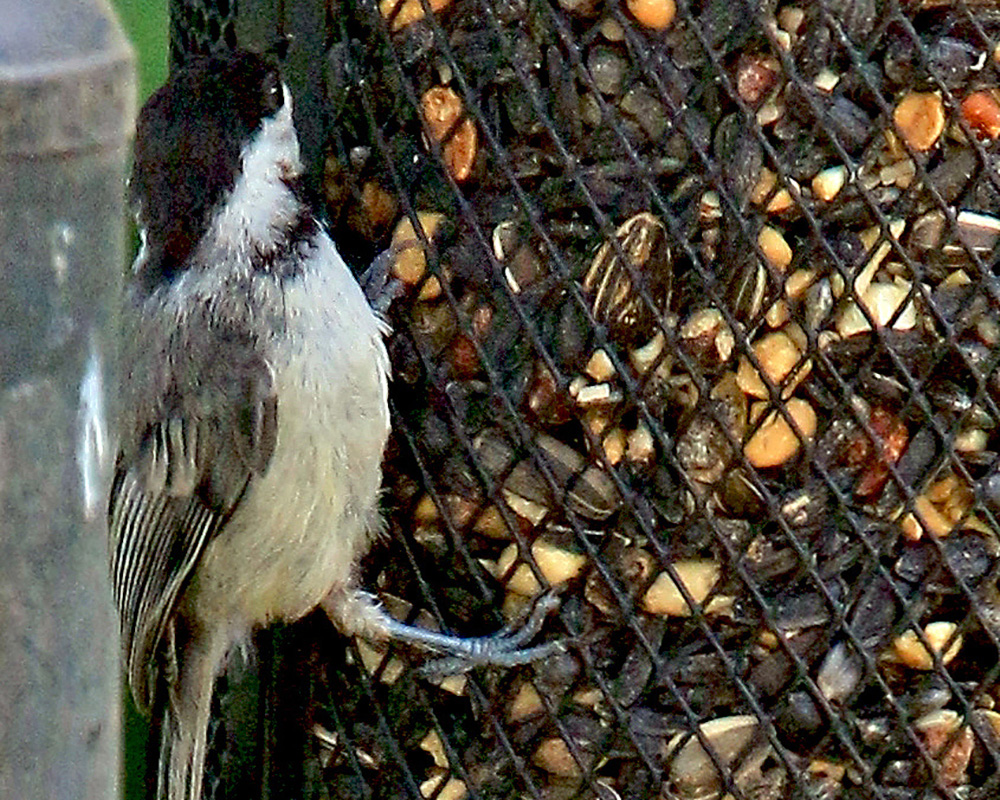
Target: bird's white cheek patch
{"type": "Point", "coordinates": [261, 205]}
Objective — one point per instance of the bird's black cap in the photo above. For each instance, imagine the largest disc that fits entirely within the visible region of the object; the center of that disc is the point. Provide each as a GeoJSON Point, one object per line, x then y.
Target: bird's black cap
{"type": "Point", "coordinates": [189, 137]}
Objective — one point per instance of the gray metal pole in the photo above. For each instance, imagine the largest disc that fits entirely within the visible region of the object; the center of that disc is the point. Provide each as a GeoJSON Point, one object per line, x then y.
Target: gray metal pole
{"type": "Point", "coordinates": [66, 109]}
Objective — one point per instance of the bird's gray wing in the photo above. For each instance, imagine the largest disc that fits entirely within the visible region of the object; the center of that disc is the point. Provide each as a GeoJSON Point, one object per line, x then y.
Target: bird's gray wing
{"type": "Point", "coordinates": [190, 445]}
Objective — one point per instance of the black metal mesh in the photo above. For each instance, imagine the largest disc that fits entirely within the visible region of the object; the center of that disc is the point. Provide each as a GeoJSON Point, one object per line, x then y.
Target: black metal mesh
{"type": "Point", "coordinates": [700, 332]}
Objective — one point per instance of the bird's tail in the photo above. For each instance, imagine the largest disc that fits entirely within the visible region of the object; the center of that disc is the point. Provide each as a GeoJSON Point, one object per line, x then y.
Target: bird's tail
{"type": "Point", "coordinates": [184, 727]}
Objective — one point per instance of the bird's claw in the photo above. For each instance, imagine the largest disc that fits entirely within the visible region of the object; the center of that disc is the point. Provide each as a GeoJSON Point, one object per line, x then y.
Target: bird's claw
{"type": "Point", "coordinates": [506, 648]}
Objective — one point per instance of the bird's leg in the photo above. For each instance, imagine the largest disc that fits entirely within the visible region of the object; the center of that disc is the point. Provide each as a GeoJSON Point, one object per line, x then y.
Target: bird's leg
{"type": "Point", "coordinates": [378, 283]}
{"type": "Point", "coordinates": [356, 612]}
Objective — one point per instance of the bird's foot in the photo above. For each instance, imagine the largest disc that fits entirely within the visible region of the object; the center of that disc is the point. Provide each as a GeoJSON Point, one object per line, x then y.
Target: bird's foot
{"type": "Point", "coordinates": [509, 647]}
{"type": "Point", "coordinates": [378, 283]}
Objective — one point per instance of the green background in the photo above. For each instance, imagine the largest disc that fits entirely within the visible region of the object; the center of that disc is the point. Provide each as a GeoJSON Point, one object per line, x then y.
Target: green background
{"type": "Point", "coordinates": [145, 23]}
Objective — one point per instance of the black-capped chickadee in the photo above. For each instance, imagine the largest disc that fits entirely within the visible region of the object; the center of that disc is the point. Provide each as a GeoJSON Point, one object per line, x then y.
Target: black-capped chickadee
{"type": "Point", "coordinates": [254, 408]}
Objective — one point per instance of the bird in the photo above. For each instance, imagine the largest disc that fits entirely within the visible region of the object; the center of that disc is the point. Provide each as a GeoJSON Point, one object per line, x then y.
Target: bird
{"type": "Point", "coordinates": [253, 409]}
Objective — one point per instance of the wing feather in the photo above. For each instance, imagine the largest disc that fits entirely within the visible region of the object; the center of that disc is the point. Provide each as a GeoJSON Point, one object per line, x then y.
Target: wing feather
{"type": "Point", "coordinates": [182, 469]}
{"type": "Point", "coordinates": [156, 543]}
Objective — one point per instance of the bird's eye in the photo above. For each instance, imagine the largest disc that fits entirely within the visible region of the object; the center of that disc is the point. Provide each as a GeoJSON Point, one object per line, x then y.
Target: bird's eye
{"type": "Point", "coordinates": [273, 94]}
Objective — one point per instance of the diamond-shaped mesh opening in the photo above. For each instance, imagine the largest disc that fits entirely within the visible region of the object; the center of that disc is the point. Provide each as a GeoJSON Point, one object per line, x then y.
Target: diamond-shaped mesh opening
{"type": "Point", "coordinates": [699, 332]}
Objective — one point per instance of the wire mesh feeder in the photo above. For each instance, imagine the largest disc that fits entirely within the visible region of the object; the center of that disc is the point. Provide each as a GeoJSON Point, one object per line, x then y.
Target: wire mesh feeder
{"type": "Point", "coordinates": [700, 330]}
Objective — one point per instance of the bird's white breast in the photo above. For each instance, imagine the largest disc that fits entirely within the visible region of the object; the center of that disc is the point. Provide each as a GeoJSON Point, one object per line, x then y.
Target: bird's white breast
{"type": "Point", "coordinates": [302, 525]}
